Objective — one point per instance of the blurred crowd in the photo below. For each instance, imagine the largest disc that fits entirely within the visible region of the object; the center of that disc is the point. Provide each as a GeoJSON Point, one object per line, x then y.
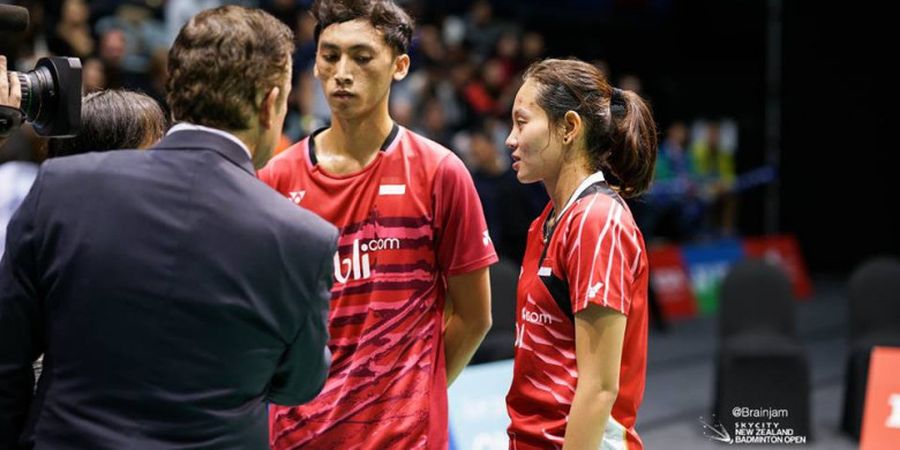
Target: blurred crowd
{"type": "Point", "coordinates": [466, 69]}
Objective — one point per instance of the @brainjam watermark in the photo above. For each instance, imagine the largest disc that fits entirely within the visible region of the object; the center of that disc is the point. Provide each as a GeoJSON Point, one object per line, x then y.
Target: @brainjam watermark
{"type": "Point", "coordinates": [753, 426]}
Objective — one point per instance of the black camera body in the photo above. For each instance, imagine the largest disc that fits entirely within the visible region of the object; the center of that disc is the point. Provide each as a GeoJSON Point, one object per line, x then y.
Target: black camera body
{"type": "Point", "coordinates": [51, 96]}
{"type": "Point", "coordinates": [51, 93]}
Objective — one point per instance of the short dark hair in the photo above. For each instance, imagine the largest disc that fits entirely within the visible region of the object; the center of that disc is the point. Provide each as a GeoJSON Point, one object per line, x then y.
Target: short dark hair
{"type": "Point", "coordinates": [624, 145]}
{"type": "Point", "coordinates": [222, 64]}
{"type": "Point", "coordinates": [111, 120]}
{"type": "Point", "coordinates": [388, 18]}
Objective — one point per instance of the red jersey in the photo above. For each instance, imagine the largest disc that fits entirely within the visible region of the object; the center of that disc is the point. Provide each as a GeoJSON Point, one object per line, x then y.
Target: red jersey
{"type": "Point", "coordinates": [408, 220]}
{"type": "Point", "coordinates": [595, 255]}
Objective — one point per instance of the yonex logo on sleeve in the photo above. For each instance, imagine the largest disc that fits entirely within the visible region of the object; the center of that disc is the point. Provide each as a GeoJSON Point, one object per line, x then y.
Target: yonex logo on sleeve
{"type": "Point", "coordinates": [592, 291]}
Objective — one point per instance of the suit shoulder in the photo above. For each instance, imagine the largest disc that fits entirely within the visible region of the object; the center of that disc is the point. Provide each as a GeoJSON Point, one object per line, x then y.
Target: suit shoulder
{"type": "Point", "coordinates": [89, 160]}
{"type": "Point", "coordinates": [89, 164]}
{"type": "Point", "coordinates": [297, 220]}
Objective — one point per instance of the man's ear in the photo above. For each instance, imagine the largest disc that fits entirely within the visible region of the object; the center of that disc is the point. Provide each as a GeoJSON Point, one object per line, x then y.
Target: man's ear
{"type": "Point", "coordinates": [401, 67]}
{"type": "Point", "coordinates": [269, 108]}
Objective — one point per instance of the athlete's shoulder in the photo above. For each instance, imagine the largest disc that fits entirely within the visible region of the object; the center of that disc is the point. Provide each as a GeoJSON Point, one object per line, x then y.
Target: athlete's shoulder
{"type": "Point", "coordinates": [602, 207]}
{"type": "Point", "coordinates": [291, 155]}
{"type": "Point", "coordinates": [284, 165]}
{"type": "Point", "coordinates": [416, 144]}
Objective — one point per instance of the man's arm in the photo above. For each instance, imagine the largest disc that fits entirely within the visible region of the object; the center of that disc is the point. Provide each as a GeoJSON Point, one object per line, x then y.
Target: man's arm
{"type": "Point", "coordinates": [304, 367]}
{"type": "Point", "coordinates": [469, 318]}
{"type": "Point", "coordinates": [599, 336]}
{"type": "Point", "coordinates": [21, 324]}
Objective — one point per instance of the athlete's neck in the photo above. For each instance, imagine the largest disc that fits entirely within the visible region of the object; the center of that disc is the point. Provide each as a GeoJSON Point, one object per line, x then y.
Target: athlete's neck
{"type": "Point", "coordinates": [563, 186]}
{"type": "Point", "coordinates": [354, 141]}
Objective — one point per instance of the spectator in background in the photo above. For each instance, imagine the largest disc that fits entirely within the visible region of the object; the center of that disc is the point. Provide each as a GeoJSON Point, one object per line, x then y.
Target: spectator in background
{"type": "Point", "coordinates": [112, 120]}
{"type": "Point", "coordinates": [72, 35]}
{"type": "Point", "coordinates": [481, 29]}
{"type": "Point", "coordinates": [93, 75]}
{"type": "Point", "coordinates": [135, 36]}
{"type": "Point", "coordinates": [178, 12]}
{"type": "Point", "coordinates": [111, 52]}
{"type": "Point", "coordinates": [585, 267]}
{"type": "Point", "coordinates": [672, 210]}
{"type": "Point", "coordinates": [631, 82]}
{"type": "Point", "coordinates": [533, 47]}
{"type": "Point", "coordinates": [487, 172]}
{"type": "Point", "coordinates": [433, 123]}
{"type": "Point", "coordinates": [714, 170]}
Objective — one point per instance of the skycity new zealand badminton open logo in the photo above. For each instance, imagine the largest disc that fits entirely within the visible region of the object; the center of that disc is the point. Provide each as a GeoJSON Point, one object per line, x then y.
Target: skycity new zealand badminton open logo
{"type": "Point", "coordinates": [753, 426]}
{"type": "Point", "coordinates": [716, 431]}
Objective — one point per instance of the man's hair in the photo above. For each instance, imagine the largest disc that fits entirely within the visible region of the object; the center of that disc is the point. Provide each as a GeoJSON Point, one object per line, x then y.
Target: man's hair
{"type": "Point", "coordinates": [223, 63]}
{"type": "Point", "coordinates": [384, 15]}
{"type": "Point", "coordinates": [111, 120]}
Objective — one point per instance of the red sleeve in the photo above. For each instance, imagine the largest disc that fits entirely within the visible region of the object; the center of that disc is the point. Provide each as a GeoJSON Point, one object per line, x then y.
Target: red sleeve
{"type": "Point", "coordinates": [269, 175]}
{"type": "Point", "coordinates": [462, 239]}
{"type": "Point", "coordinates": [601, 254]}
{"type": "Point", "coordinates": [277, 172]}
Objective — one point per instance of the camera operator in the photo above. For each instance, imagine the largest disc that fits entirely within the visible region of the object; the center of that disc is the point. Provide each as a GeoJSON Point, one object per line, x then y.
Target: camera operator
{"type": "Point", "coordinates": [10, 91]}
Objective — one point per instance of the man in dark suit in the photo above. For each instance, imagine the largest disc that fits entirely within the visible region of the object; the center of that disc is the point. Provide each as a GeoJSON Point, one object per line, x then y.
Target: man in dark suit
{"type": "Point", "coordinates": [164, 286]}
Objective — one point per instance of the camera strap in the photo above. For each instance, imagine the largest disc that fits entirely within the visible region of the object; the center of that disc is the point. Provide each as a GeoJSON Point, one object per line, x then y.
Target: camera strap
{"type": "Point", "coordinates": [10, 119]}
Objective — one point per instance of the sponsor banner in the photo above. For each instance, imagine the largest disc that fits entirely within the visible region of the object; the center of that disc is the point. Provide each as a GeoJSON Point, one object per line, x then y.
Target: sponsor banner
{"type": "Point", "coordinates": [707, 265]}
{"type": "Point", "coordinates": [671, 284]}
{"type": "Point", "coordinates": [784, 251]}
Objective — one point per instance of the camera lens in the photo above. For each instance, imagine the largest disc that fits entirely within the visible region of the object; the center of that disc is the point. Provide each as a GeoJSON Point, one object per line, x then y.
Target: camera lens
{"type": "Point", "coordinates": [38, 95]}
{"type": "Point", "coordinates": [51, 96]}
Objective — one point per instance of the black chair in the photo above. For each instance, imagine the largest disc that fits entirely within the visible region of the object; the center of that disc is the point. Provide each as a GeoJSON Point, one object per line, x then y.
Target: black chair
{"type": "Point", "coordinates": [874, 295]}
{"type": "Point", "coordinates": [760, 363]}
{"type": "Point", "coordinates": [498, 344]}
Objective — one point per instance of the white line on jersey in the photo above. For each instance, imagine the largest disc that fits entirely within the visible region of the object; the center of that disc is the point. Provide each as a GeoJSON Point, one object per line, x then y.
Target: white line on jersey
{"type": "Point", "coordinates": [392, 189]}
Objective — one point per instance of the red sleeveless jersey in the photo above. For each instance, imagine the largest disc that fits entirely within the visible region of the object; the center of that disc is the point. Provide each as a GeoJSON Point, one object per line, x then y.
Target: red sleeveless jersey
{"type": "Point", "coordinates": [408, 220]}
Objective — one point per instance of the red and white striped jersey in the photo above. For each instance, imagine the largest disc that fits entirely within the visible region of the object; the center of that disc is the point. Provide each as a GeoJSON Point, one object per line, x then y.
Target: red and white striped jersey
{"type": "Point", "coordinates": [408, 220]}
{"type": "Point", "coordinates": [595, 255]}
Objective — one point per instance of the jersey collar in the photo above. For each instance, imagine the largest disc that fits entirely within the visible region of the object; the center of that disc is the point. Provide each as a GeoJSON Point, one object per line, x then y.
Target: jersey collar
{"type": "Point", "coordinates": [384, 145]}
{"type": "Point", "coordinates": [596, 177]}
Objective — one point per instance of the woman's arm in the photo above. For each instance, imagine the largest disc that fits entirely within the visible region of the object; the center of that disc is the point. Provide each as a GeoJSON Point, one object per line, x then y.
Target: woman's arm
{"type": "Point", "coordinates": [599, 333]}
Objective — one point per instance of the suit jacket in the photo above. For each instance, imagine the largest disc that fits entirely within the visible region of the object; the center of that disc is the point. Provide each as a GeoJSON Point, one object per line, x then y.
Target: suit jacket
{"type": "Point", "coordinates": [172, 294]}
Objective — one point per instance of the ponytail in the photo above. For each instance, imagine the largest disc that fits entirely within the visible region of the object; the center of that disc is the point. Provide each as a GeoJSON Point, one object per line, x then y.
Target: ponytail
{"type": "Point", "coordinates": [632, 153]}
{"type": "Point", "coordinates": [620, 134]}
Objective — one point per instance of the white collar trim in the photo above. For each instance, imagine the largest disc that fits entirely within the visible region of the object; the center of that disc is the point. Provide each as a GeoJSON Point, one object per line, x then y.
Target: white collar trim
{"type": "Point", "coordinates": [182, 126]}
{"type": "Point", "coordinates": [596, 177]}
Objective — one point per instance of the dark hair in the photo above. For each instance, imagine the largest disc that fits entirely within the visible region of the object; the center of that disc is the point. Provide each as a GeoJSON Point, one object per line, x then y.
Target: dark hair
{"type": "Point", "coordinates": [388, 18]}
{"type": "Point", "coordinates": [620, 136]}
{"type": "Point", "coordinates": [222, 64]}
{"type": "Point", "coordinates": [111, 120]}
